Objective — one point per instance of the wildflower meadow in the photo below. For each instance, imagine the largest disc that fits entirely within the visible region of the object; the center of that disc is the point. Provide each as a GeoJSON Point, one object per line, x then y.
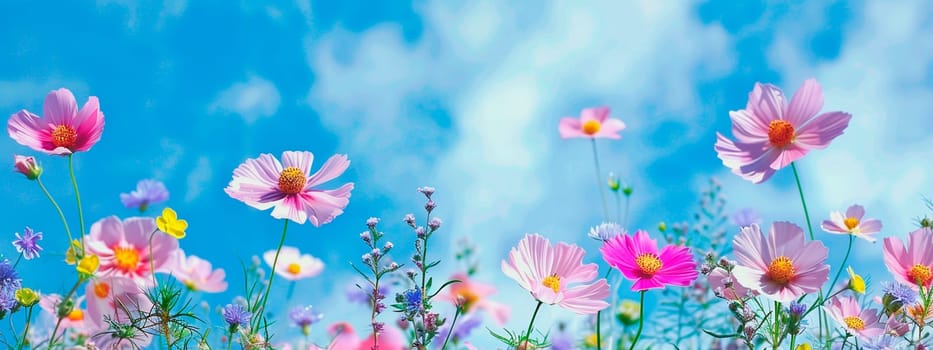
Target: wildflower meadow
{"type": "Point", "coordinates": [298, 234]}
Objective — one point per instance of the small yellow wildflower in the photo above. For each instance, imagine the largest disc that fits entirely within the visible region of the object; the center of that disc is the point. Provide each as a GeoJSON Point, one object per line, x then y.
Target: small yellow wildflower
{"type": "Point", "coordinates": [628, 312]}
{"type": "Point", "coordinates": [74, 252]}
{"type": "Point", "coordinates": [88, 265]}
{"type": "Point", "coordinates": [26, 297]}
{"type": "Point", "coordinates": [170, 224]}
{"type": "Point", "coordinates": [804, 346]}
{"type": "Point", "coordinates": [856, 282]}
{"type": "Point", "coordinates": [590, 340]}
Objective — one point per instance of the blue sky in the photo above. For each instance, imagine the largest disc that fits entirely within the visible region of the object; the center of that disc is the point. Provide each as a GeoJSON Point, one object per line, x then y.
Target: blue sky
{"type": "Point", "coordinates": [464, 97]}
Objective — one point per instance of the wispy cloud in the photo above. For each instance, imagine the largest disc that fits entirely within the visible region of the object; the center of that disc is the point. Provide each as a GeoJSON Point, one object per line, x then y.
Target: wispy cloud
{"type": "Point", "coordinates": [253, 99]}
{"type": "Point", "coordinates": [197, 179]}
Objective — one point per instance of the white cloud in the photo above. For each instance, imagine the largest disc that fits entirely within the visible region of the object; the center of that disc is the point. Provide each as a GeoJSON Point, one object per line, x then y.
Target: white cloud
{"type": "Point", "coordinates": [253, 99]}
{"type": "Point", "coordinates": [503, 77]}
{"type": "Point", "coordinates": [169, 156]}
{"type": "Point", "coordinates": [197, 179]}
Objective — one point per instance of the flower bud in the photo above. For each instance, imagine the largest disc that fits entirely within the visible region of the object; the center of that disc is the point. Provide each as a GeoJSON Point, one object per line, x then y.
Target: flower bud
{"type": "Point", "coordinates": [27, 166]}
{"type": "Point", "coordinates": [371, 222]}
{"type": "Point", "coordinates": [613, 183]}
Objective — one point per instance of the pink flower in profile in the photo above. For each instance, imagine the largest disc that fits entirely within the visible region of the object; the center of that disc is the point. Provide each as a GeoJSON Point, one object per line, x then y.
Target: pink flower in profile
{"type": "Point", "coordinates": [911, 266]}
{"type": "Point", "coordinates": [264, 183]}
{"type": "Point", "coordinates": [852, 223]}
{"type": "Point", "coordinates": [475, 296]}
{"type": "Point", "coordinates": [297, 266]}
{"type": "Point", "coordinates": [63, 129]}
{"type": "Point", "coordinates": [119, 299]}
{"type": "Point", "coordinates": [197, 274]}
{"type": "Point", "coordinates": [781, 266]}
{"type": "Point", "coordinates": [27, 166]}
{"type": "Point", "coordinates": [638, 258]}
{"type": "Point", "coordinates": [123, 248]}
{"type": "Point", "coordinates": [75, 320]}
{"type": "Point", "coordinates": [549, 273]}
{"type": "Point", "coordinates": [592, 123]}
{"type": "Point", "coordinates": [770, 134]}
{"type": "Point", "coordinates": [717, 282]}
{"type": "Point", "coordinates": [847, 312]}
{"type": "Point", "coordinates": [345, 338]}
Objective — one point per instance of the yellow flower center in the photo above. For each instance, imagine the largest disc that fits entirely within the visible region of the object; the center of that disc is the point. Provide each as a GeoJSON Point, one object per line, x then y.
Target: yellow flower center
{"type": "Point", "coordinates": [126, 259]}
{"type": "Point", "coordinates": [591, 127]}
{"type": "Point", "coordinates": [851, 223]}
{"type": "Point", "coordinates": [552, 282]}
{"type": "Point", "coordinates": [920, 273]}
{"type": "Point", "coordinates": [292, 180]}
{"type": "Point", "coordinates": [649, 264]}
{"type": "Point", "coordinates": [854, 323]}
{"type": "Point", "coordinates": [101, 290]}
{"type": "Point", "coordinates": [76, 315]}
{"type": "Point", "coordinates": [64, 136]}
{"type": "Point", "coordinates": [293, 268]}
{"type": "Point", "coordinates": [190, 285]}
{"type": "Point", "coordinates": [780, 133]}
{"type": "Point", "coordinates": [781, 270]}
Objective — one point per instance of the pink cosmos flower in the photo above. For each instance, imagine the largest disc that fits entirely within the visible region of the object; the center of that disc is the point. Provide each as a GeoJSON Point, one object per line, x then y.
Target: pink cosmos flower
{"type": "Point", "coordinates": [475, 296]}
{"type": "Point", "coordinates": [119, 299]}
{"type": "Point", "coordinates": [549, 273]}
{"type": "Point", "coordinates": [771, 134]}
{"type": "Point", "coordinates": [75, 320]}
{"type": "Point", "coordinates": [736, 291]}
{"type": "Point", "coordinates": [63, 129]}
{"type": "Point", "coordinates": [297, 266]}
{"type": "Point", "coordinates": [197, 274]}
{"type": "Point", "coordinates": [264, 183]}
{"type": "Point", "coordinates": [913, 264]}
{"type": "Point", "coordinates": [852, 223]}
{"type": "Point", "coordinates": [123, 248]}
{"type": "Point", "coordinates": [639, 260]}
{"type": "Point", "coordinates": [592, 123]}
{"type": "Point", "coordinates": [847, 312]}
{"type": "Point", "coordinates": [780, 266]}
{"type": "Point", "coordinates": [345, 338]}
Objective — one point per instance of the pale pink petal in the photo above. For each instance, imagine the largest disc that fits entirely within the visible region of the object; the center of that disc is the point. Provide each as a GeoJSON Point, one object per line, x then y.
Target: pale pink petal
{"type": "Point", "coordinates": [748, 128]}
{"type": "Point", "coordinates": [322, 207]}
{"type": "Point", "coordinates": [60, 107]}
{"type": "Point", "coordinates": [855, 211]}
{"type": "Point", "coordinates": [570, 127]}
{"type": "Point", "coordinates": [595, 113]}
{"type": "Point", "coordinates": [788, 155]}
{"type": "Point", "coordinates": [749, 278]}
{"type": "Point", "coordinates": [28, 130]}
{"type": "Point", "coordinates": [749, 248]}
{"type": "Point", "coordinates": [301, 160]}
{"type": "Point", "coordinates": [766, 102]}
{"type": "Point", "coordinates": [738, 158]}
{"type": "Point", "coordinates": [499, 312]}
{"type": "Point", "coordinates": [108, 230]}
{"type": "Point", "coordinates": [818, 132]}
{"type": "Point", "coordinates": [807, 102]}
{"type": "Point", "coordinates": [870, 226]}
{"type": "Point", "coordinates": [332, 168]}
{"type": "Point", "coordinates": [291, 208]}
{"type": "Point", "coordinates": [611, 128]}
{"type": "Point", "coordinates": [895, 258]}
{"type": "Point", "coordinates": [586, 299]}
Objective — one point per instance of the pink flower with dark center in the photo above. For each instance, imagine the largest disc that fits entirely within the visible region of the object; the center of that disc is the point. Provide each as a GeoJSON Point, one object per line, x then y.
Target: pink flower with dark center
{"type": "Point", "coordinates": [264, 183]}
{"type": "Point", "coordinates": [63, 129]}
{"type": "Point", "coordinates": [592, 123]}
{"type": "Point", "coordinates": [847, 312]}
{"type": "Point", "coordinates": [123, 248]}
{"type": "Point", "coordinates": [638, 258]}
{"type": "Point", "coordinates": [770, 134]}
{"type": "Point", "coordinates": [781, 265]}
{"type": "Point", "coordinates": [556, 275]}
{"type": "Point", "coordinates": [911, 266]}
{"type": "Point", "coordinates": [853, 222]}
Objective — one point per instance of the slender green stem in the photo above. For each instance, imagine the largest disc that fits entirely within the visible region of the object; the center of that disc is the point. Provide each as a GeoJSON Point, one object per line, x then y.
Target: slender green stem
{"type": "Point", "coordinates": [275, 261]}
{"type": "Point", "coordinates": [57, 208]}
{"type": "Point", "coordinates": [74, 183]}
{"type": "Point", "coordinates": [806, 214]}
{"type": "Point", "coordinates": [532, 323]}
{"type": "Point", "coordinates": [641, 320]}
{"type": "Point", "coordinates": [845, 259]}
{"type": "Point", "coordinates": [26, 327]}
{"type": "Point", "coordinates": [230, 340]}
{"type": "Point", "coordinates": [793, 341]}
{"type": "Point", "coordinates": [776, 332]}
{"type": "Point", "coordinates": [452, 324]}
{"type": "Point", "coordinates": [151, 260]}
{"type": "Point", "coordinates": [599, 339]}
{"type": "Point", "coordinates": [599, 182]}
{"type": "Point", "coordinates": [62, 317]}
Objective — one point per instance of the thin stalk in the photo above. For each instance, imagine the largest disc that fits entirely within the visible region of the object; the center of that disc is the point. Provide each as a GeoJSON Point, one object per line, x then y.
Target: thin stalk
{"type": "Point", "coordinates": [58, 208]}
{"type": "Point", "coordinates": [61, 317]}
{"type": "Point", "coordinates": [165, 329]}
{"type": "Point", "coordinates": [532, 323]}
{"type": "Point", "coordinates": [275, 261]}
{"type": "Point", "coordinates": [844, 260]}
{"type": "Point", "coordinates": [806, 214]}
{"type": "Point", "coordinates": [74, 183]}
{"type": "Point", "coordinates": [230, 340]}
{"type": "Point", "coordinates": [599, 182]}
{"type": "Point", "coordinates": [641, 320]}
{"type": "Point", "coordinates": [26, 328]}
{"type": "Point", "coordinates": [775, 335]}
{"type": "Point", "coordinates": [452, 324]}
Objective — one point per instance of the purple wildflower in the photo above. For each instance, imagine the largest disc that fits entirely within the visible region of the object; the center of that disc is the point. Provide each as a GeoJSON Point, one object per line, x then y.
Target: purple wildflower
{"type": "Point", "coordinates": [412, 300]}
{"type": "Point", "coordinates": [235, 315]}
{"type": "Point", "coordinates": [9, 283]}
{"type": "Point", "coordinates": [797, 309]}
{"type": "Point", "coordinates": [304, 317]}
{"type": "Point", "coordinates": [427, 191]}
{"type": "Point", "coordinates": [28, 243]}
{"type": "Point", "coordinates": [606, 231]}
{"type": "Point", "coordinates": [435, 224]}
{"type": "Point", "coordinates": [899, 292]}
{"type": "Point", "coordinates": [371, 222]}
{"type": "Point", "coordinates": [147, 192]}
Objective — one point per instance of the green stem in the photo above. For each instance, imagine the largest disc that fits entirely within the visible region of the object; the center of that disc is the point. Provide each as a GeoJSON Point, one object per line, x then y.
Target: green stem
{"type": "Point", "coordinates": [599, 182]}
{"type": "Point", "coordinates": [775, 333]}
{"type": "Point", "coordinates": [230, 340]}
{"type": "Point", "coordinates": [74, 183]}
{"type": "Point", "coordinates": [26, 328]}
{"type": "Point", "coordinates": [599, 340]}
{"type": "Point", "coordinates": [844, 260]}
{"type": "Point", "coordinates": [62, 317]}
{"type": "Point", "coordinates": [532, 323]}
{"type": "Point", "coordinates": [275, 261]}
{"type": "Point", "coordinates": [806, 214]}
{"type": "Point", "coordinates": [58, 208]}
{"type": "Point", "coordinates": [793, 341]}
{"type": "Point", "coordinates": [452, 324]}
{"type": "Point", "coordinates": [641, 320]}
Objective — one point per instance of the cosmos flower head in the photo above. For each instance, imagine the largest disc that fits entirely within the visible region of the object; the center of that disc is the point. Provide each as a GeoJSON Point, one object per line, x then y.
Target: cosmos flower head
{"type": "Point", "coordinates": [297, 265]}
{"type": "Point", "coordinates": [850, 316]}
{"type": "Point", "coordinates": [852, 222]}
{"type": "Point", "coordinates": [287, 187]}
{"type": "Point", "coordinates": [123, 248]}
{"type": "Point", "coordinates": [606, 231]}
{"type": "Point", "coordinates": [236, 316]}
{"type": "Point", "coordinates": [197, 274]}
{"type": "Point", "coordinates": [592, 123]}
{"type": "Point", "coordinates": [911, 265]}
{"type": "Point", "coordinates": [62, 129]}
{"type": "Point", "coordinates": [780, 265]}
{"type": "Point", "coordinates": [474, 295]}
{"type": "Point", "coordinates": [639, 259]}
{"type": "Point", "coordinates": [770, 134]}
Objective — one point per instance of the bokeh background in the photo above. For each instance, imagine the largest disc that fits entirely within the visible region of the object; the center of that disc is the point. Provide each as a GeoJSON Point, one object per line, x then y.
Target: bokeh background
{"type": "Point", "coordinates": [465, 97]}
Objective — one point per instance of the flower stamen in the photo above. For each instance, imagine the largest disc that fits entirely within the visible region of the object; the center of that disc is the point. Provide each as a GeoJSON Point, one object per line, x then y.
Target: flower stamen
{"type": "Point", "coordinates": [649, 264]}
{"type": "Point", "coordinates": [553, 282]}
{"type": "Point", "coordinates": [64, 136]}
{"type": "Point", "coordinates": [780, 133]}
{"type": "Point", "coordinates": [854, 323]}
{"type": "Point", "coordinates": [292, 180]}
{"type": "Point", "coordinates": [293, 268]}
{"type": "Point", "coordinates": [126, 259]}
{"type": "Point", "coordinates": [851, 223]}
{"type": "Point", "coordinates": [920, 273]}
{"type": "Point", "coordinates": [781, 270]}
{"type": "Point", "coordinates": [591, 127]}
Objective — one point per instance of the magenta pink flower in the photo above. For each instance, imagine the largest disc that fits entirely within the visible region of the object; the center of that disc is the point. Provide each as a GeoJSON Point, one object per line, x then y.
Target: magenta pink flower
{"type": "Point", "coordinates": [344, 337]}
{"type": "Point", "coordinates": [197, 274]}
{"type": "Point", "coordinates": [592, 123]}
{"type": "Point", "coordinates": [780, 266]}
{"type": "Point", "coordinates": [264, 183]}
{"type": "Point", "coordinates": [847, 312]}
{"type": "Point", "coordinates": [123, 248]}
{"type": "Point", "coordinates": [852, 223]}
{"type": "Point", "coordinates": [771, 134]}
{"type": "Point", "coordinates": [639, 260]}
{"type": "Point", "coordinates": [549, 273]}
{"type": "Point", "coordinates": [717, 282]}
{"type": "Point", "coordinates": [475, 296]}
{"type": "Point", "coordinates": [911, 266]}
{"type": "Point", "coordinates": [63, 129]}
